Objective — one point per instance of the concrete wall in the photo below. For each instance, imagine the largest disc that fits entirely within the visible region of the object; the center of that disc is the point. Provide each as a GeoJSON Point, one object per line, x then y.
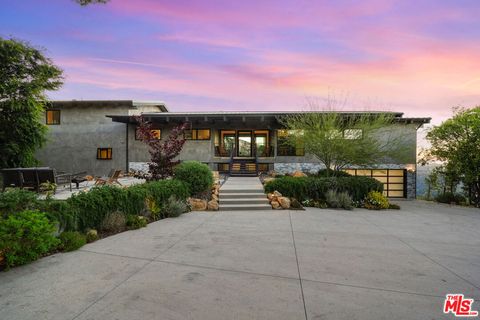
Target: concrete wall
{"type": "Point", "coordinates": [72, 145]}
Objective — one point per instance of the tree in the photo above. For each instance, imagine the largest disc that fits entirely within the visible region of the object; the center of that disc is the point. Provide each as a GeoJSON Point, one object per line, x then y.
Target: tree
{"type": "Point", "coordinates": [456, 143]}
{"type": "Point", "coordinates": [87, 2]}
{"type": "Point", "coordinates": [162, 153]}
{"type": "Point", "coordinates": [25, 75]}
{"type": "Point", "coordinates": [338, 140]}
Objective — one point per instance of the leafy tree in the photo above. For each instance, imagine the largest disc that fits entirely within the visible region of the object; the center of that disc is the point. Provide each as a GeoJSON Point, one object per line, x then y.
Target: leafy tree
{"type": "Point", "coordinates": [87, 2]}
{"type": "Point", "coordinates": [162, 153]}
{"type": "Point", "coordinates": [339, 140]}
{"type": "Point", "coordinates": [456, 143]}
{"type": "Point", "coordinates": [25, 75]}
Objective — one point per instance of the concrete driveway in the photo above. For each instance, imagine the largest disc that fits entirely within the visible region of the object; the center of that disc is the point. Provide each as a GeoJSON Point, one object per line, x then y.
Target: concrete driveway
{"type": "Point", "coordinates": [315, 264]}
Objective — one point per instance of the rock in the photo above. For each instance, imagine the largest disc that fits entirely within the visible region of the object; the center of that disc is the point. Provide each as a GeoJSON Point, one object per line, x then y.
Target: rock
{"type": "Point", "coordinates": [272, 173]}
{"type": "Point", "coordinates": [276, 205]}
{"type": "Point", "coordinates": [298, 174]}
{"type": "Point", "coordinates": [295, 204]}
{"type": "Point", "coordinates": [214, 197]}
{"type": "Point", "coordinates": [198, 204]}
{"type": "Point", "coordinates": [284, 202]}
{"type": "Point", "coordinates": [270, 196]}
{"type": "Point", "coordinates": [212, 205]}
{"type": "Point", "coordinates": [277, 194]}
{"type": "Point", "coordinates": [216, 175]}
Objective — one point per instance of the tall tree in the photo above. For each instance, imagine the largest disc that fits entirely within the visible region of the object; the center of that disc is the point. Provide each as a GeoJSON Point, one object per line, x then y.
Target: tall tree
{"type": "Point", "coordinates": [338, 140]}
{"type": "Point", "coordinates": [25, 75]}
{"type": "Point", "coordinates": [456, 143]}
{"type": "Point", "coordinates": [163, 153]}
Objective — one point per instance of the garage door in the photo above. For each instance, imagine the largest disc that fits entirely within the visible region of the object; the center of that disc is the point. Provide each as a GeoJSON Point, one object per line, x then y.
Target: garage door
{"type": "Point", "coordinates": [394, 181]}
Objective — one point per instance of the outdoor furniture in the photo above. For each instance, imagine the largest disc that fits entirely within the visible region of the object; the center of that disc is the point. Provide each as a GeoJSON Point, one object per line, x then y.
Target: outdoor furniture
{"type": "Point", "coordinates": [11, 178]}
{"type": "Point", "coordinates": [112, 179]}
{"type": "Point", "coordinates": [78, 178]}
{"type": "Point", "coordinates": [32, 178]}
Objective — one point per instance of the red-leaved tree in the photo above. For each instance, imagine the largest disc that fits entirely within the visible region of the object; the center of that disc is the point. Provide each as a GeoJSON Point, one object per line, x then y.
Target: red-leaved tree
{"type": "Point", "coordinates": [162, 152]}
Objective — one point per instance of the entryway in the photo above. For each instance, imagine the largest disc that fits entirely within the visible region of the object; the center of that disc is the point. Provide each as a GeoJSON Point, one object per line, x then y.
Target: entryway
{"type": "Point", "coordinates": [243, 193]}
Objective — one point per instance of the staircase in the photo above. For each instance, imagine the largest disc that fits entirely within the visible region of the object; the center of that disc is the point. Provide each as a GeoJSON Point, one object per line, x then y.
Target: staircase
{"type": "Point", "coordinates": [243, 193]}
{"type": "Point", "coordinates": [243, 168]}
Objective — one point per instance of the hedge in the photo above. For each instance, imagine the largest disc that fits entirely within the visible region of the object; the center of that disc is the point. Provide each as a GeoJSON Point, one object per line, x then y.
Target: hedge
{"type": "Point", "coordinates": [196, 175]}
{"type": "Point", "coordinates": [303, 188]}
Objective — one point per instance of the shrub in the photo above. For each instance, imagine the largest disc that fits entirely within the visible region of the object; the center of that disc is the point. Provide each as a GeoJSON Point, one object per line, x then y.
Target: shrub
{"type": "Point", "coordinates": [174, 207]}
{"type": "Point", "coordinates": [25, 236]}
{"type": "Point", "coordinates": [376, 201]}
{"type": "Point", "coordinates": [331, 173]}
{"type": "Point", "coordinates": [60, 212]}
{"type": "Point", "coordinates": [315, 188]}
{"type": "Point", "coordinates": [161, 191]}
{"type": "Point", "coordinates": [136, 222]}
{"type": "Point", "coordinates": [449, 197]}
{"type": "Point", "coordinates": [393, 206]}
{"type": "Point", "coordinates": [339, 199]}
{"type": "Point", "coordinates": [196, 175]}
{"type": "Point", "coordinates": [113, 222]}
{"type": "Point", "coordinates": [72, 240]}
{"type": "Point", "coordinates": [91, 235]}
{"type": "Point", "coordinates": [16, 200]}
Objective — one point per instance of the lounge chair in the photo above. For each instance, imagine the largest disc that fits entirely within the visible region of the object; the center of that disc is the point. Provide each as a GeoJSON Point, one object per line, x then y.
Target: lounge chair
{"type": "Point", "coordinates": [112, 179]}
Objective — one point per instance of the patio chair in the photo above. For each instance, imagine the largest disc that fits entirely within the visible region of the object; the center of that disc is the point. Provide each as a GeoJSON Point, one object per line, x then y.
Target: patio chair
{"type": "Point", "coordinates": [112, 179]}
{"type": "Point", "coordinates": [12, 178]}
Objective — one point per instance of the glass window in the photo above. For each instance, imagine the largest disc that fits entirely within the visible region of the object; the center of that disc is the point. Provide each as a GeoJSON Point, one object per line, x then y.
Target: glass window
{"type": "Point", "coordinates": [197, 134]}
{"type": "Point", "coordinates": [285, 148]}
{"type": "Point", "coordinates": [104, 153]}
{"type": "Point", "coordinates": [392, 179]}
{"type": "Point", "coordinates": [52, 117]}
{"type": "Point", "coordinates": [155, 133]}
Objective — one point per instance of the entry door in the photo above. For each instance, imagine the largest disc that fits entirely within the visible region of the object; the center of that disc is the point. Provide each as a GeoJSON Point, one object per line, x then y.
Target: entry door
{"type": "Point", "coordinates": [244, 143]}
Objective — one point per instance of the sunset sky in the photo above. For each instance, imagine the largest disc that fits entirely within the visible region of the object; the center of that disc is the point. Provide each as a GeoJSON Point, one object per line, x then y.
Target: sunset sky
{"type": "Point", "coordinates": [419, 57]}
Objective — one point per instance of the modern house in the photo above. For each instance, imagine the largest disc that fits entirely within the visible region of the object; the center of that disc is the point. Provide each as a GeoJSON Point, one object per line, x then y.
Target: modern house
{"type": "Point", "coordinates": [96, 136]}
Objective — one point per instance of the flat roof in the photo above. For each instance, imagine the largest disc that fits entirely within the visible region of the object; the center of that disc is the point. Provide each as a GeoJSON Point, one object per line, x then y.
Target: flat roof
{"type": "Point", "coordinates": [243, 115]}
{"type": "Point", "coordinates": [109, 103]}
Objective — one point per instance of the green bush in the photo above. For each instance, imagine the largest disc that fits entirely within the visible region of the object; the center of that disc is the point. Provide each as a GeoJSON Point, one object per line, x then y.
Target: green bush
{"type": "Point", "coordinates": [393, 206]}
{"type": "Point", "coordinates": [59, 211]}
{"type": "Point", "coordinates": [196, 175]}
{"type": "Point", "coordinates": [26, 236]}
{"type": "Point", "coordinates": [336, 199]}
{"type": "Point", "coordinates": [322, 173]}
{"type": "Point", "coordinates": [306, 188]}
{"type": "Point", "coordinates": [91, 235]}
{"type": "Point", "coordinates": [72, 240]}
{"type": "Point", "coordinates": [136, 222]}
{"type": "Point", "coordinates": [114, 222]}
{"type": "Point", "coordinates": [449, 197]}
{"type": "Point", "coordinates": [174, 207]}
{"type": "Point", "coordinates": [376, 201]}
{"type": "Point", "coordinates": [16, 200]}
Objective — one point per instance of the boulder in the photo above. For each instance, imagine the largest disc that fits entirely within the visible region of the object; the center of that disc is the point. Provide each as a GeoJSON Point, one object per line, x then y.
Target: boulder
{"type": "Point", "coordinates": [277, 194]}
{"type": "Point", "coordinates": [214, 197]}
{"type": "Point", "coordinates": [276, 205]}
{"type": "Point", "coordinates": [198, 204]}
{"type": "Point", "coordinates": [284, 202]}
{"type": "Point", "coordinates": [212, 205]}
{"type": "Point", "coordinates": [270, 196]}
{"type": "Point", "coordinates": [298, 174]}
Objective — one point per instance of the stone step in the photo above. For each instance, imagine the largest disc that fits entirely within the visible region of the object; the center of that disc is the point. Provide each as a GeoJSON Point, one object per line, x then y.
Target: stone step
{"type": "Point", "coordinates": [244, 201]}
{"type": "Point", "coordinates": [223, 196]}
{"type": "Point", "coordinates": [222, 191]}
{"type": "Point", "coordinates": [237, 207]}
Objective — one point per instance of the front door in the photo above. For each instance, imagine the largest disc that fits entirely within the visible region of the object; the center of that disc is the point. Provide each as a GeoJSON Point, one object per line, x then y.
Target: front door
{"type": "Point", "coordinates": [244, 143]}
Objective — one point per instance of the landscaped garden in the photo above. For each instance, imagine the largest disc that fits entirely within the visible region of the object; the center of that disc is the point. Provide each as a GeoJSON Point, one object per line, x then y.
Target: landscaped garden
{"type": "Point", "coordinates": [31, 228]}
{"type": "Point", "coordinates": [326, 190]}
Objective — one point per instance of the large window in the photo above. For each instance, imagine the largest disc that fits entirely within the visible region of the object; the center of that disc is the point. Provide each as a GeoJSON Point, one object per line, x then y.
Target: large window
{"type": "Point", "coordinates": [197, 134]}
{"type": "Point", "coordinates": [155, 133]}
{"type": "Point", "coordinates": [104, 153]}
{"type": "Point", "coordinates": [52, 117]}
{"type": "Point", "coordinates": [285, 148]}
{"type": "Point", "coordinates": [393, 180]}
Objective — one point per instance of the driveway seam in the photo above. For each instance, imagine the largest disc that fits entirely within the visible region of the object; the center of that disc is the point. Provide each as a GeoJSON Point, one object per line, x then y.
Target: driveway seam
{"type": "Point", "coordinates": [423, 254]}
{"type": "Point", "coordinates": [140, 269]}
{"type": "Point", "coordinates": [298, 267]}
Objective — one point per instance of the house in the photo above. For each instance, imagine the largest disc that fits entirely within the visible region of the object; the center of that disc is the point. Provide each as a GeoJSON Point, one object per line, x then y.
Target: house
{"type": "Point", "coordinates": [96, 136]}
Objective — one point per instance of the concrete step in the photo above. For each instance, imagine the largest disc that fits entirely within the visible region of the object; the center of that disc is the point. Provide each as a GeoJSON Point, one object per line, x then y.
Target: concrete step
{"type": "Point", "coordinates": [237, 207]}
{"type": "Point", "coordinates": [243, 201]}
{"type": "Point", "coordinates": [222, 191]}
{"type": "Point", "coordinates": [242, 196]}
